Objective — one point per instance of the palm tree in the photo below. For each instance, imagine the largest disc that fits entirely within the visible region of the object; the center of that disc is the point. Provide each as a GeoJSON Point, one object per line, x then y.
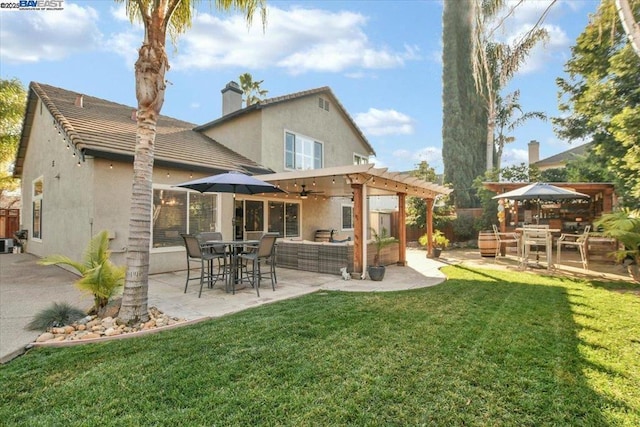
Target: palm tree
{"type": "Point", "coordinates": [494, 63]}
{"type": "Point", "coordinates": [252, 92]}
{"type": "Point", "coordinates": [506, 122]}
{"type": "Point", "coordinates": [629, 24]}
{"type": "Point", "coordinates": [158, 18]}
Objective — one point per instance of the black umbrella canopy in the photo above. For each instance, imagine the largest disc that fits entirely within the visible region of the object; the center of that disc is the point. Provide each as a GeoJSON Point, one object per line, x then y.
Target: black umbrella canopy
{"type": "Point", "coordinates": [231, 182]}
{"type": "Point", "coordinates": [541, 191]}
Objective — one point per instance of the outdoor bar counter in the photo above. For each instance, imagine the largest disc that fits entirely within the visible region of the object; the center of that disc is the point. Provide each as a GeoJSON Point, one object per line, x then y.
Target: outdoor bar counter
{"type": "Point", "coordinates": [327, 257]}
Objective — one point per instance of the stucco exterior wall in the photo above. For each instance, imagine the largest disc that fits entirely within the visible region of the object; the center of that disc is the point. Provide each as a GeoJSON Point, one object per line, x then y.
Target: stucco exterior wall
{"type": "Point", "coordinates": [67, 199]}
{"type": "Point", "coordinates": [242, 134]}
{"type": "Point", "coordinates": [304, 116]}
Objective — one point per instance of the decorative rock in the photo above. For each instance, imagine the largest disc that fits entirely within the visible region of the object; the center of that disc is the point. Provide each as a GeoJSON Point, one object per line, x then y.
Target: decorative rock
{"type": "Point", "coordinates": [110, 332]}
{"type": "Point", "coordinates": [57, 331]}
{"type": "Point", "coordinates": [45, 337]}
{"type": "Point", "coordinates": [90, 336]}
{"type": "Point", "coordinates": [69, 329]}
{"type": "Point", "coordinates": [81, 327]}
{"type": "Point", "coordinates": [60, 338]}
{"type": "Point", "coordinates": [84, 320]}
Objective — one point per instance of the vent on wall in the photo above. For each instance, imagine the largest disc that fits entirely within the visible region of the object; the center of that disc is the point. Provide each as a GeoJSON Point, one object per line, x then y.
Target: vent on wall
{"type": "Point", "coordinates": [323, 103]}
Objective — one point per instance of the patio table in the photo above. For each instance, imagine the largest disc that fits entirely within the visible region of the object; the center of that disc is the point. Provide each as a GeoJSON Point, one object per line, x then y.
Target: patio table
{"type": "Point", "coordinates": [548, 244]}
{"type": "Point", "coordinates": [234, 247]}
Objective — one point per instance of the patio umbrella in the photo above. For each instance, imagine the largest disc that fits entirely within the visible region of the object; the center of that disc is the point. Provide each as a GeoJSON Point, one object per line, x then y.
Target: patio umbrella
{"type": "Point", "coordinates": [231, 182]}
{"type": "Point", "coordinates": [540, 191]}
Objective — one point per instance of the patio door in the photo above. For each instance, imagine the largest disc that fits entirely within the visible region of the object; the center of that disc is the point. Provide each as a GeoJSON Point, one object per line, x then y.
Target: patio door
{"type": "Point", "coordinates": [249, 216]}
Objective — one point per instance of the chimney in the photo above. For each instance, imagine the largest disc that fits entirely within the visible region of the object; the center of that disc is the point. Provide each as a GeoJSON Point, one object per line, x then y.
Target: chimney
{"type": "Point", "coordinates": [534, 151]}
{"type": "Point", "coordinates": [231, 98]}
{"type": "Point", "coordinates": [79, 101]}
{"type": "Point", "coordinates": [134, 115]}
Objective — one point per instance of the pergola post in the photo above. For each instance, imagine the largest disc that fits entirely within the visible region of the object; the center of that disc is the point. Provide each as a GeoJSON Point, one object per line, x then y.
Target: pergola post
{"type": "Point", "coordinates": [402, 230]}
{"type": "Point", "coordinates": [429, 203]}
{"type": "Point", "coordinates": [359, 237]}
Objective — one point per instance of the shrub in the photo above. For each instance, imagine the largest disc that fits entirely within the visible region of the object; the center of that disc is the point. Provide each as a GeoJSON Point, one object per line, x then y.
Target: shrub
{"type": "Point", "coordinates": [99, 275]}
{"type": "Point", "coordinates": [58, 314]}
{"type": "Point", "coordinates": [463, 227]}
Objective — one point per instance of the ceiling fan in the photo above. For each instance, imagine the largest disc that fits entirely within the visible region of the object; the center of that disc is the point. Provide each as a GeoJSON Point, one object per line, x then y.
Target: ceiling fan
{"type": "Point", "coordinates": [305, 193]}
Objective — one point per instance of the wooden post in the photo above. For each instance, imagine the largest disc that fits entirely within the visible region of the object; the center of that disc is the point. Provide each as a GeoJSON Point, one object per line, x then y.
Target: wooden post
{"type": "Point", "coordinates": [429, 203]}
{"type": "Point", "coordinates": [402, 230]}
{"type": "Point", "coordinates": [359, 236]}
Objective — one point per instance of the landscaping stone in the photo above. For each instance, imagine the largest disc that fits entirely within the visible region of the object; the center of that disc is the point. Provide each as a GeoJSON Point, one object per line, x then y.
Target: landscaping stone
{"type": "Point", "coordinates": [92, 327]}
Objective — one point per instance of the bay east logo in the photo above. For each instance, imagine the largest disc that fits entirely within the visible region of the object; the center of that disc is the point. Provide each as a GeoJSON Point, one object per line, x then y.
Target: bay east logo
{"type": "Point", "coordinates": [40, 4]}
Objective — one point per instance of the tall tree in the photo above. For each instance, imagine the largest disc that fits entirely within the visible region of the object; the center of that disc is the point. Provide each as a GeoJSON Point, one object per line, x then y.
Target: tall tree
{"type": "Point", "coordinates": [464, 117]}
{"type": "Point", "coordinates": [158, 17]}
{"type": "Point", "coordinates": [495, 63]}
{"type": "Point", "coordinates": [252, 91]}
{"type": "Point", "coordinates": [13, 100]}
{"type": "Point", "coordinates": [600, 100]}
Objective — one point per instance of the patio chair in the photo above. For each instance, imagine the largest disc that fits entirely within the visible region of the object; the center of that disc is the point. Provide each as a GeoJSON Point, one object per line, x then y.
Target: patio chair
{"type": "Point", "coordinates": [205, 258]}
{"type": "Point", "coordinates": [223, 256]}
{"type": "Point", "coordinates": [264, 252]}
{"type": "Point", "coordinates": [579, 241]}
{"type": "Point", "coordinates": [507, 239]}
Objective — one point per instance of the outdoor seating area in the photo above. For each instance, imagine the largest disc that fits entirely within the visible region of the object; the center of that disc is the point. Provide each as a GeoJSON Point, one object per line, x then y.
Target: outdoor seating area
{"type": "Point", "coordinates": [238, 261]}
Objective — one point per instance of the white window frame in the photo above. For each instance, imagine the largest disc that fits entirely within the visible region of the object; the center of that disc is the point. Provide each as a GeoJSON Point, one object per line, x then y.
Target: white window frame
{"type": "Point", "coordinates": [35, 198]}
{"type": "Point", "coordinates": [342, 206]}
{"type": "Point", "coordinates": [314, 141]}
{"type": "Point", "coordinates": [285, 202]}
{"type": "Point", "coordinates": [363, 159]}
{"type": "Point", "coordinates": [177, 189]}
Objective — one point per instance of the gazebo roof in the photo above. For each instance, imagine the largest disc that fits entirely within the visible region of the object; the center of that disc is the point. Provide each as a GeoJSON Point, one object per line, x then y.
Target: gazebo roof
{"type": "Point", "coordinates": [336, 181]}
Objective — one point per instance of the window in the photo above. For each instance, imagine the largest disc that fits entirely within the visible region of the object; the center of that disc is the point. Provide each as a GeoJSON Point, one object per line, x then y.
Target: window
{"type": "Point", "coordinates": [347, 217]}
{"type": "Point", "coordinates": [36, 226]}
{"type": "Point", "coordinates": [284, 219]}
{"type": "Point", "coordinates": [359, 159]}
{"type": "Point", "coordinates": [176, 211]}
{"type": "Point", "coordinates": [302, 153]}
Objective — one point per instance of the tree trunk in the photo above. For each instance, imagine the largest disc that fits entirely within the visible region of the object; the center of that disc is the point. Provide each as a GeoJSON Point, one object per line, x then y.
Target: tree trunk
{"type": "Point", "coordinates": [491, 123]}
{"type": "Point", "coordinates": [631, 27]}
{"type": "Point", "coordinates": [150, 86]}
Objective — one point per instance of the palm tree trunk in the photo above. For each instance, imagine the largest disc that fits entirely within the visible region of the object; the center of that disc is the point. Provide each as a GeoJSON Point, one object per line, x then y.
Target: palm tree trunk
{"type": "Point", "coordinates": [150, 87]}
{"type": "Point", "coordinates": [630, 26]}
{"type": "Point", "coordinates": [491, 124]}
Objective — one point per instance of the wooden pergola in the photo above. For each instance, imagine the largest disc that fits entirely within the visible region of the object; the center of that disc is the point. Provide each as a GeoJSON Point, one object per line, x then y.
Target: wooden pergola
{"type": "Point", "coordinates": [362, 181]}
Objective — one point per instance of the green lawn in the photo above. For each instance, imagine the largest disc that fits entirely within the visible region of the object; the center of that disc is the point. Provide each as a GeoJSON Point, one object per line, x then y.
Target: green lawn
{"type": "Point", "coordinates": [487, 348]}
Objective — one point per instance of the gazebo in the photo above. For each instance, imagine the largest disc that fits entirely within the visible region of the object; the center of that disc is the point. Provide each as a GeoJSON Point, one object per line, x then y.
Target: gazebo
{"type": "Point", "coordinates": [359, 182]}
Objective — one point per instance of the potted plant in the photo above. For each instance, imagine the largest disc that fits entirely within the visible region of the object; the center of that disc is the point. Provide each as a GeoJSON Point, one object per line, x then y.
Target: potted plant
{"type": "Point", "coordinates": [624, 226]}
{"type": "Point", "coordinates": [381, 240]}
{"type": "Point", "coordinates": [440, 242]}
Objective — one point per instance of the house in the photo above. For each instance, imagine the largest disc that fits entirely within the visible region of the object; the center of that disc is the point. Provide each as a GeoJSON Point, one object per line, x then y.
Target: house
{"type": "Point", "coordinates": [558, 160]}
{"type": "Point", "coordinates": [75, 162]}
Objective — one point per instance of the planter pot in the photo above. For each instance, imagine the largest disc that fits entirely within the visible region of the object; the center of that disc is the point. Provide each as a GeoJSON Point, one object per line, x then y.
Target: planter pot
{"type": "Point", "coordinates": [487, 243]}
{"type": "Point", "coordinates": [376, 273]}
{"type": "Point", "coordinates": [437, 252]}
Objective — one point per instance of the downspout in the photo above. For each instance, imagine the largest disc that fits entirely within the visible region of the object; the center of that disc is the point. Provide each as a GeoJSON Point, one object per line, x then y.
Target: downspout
{"type": "Point", "coordinates": [365, 227]}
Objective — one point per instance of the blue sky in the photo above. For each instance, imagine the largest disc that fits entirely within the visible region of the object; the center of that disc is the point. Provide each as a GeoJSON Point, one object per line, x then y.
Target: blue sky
{"type": "Point", "coordinates": [382, 59]}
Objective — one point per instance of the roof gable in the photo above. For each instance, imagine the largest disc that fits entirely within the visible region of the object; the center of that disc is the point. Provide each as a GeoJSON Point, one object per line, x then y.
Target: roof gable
{"type": "Point", "coordinates": [107, 129]}
{"type": "Point", "coordinates": [266, 103]}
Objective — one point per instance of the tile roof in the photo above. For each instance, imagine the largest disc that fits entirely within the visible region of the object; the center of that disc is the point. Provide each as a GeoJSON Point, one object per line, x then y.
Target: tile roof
{"type": "Point", "coordinates": [106, 129]}
{"type": "Point", "coordinates": [565, 156]}
{"type": "Point", "coordinates": [265, 103]}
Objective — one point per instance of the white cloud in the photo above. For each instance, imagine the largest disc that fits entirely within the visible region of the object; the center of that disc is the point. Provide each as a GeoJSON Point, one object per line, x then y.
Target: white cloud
{"type": "Point", "coordinates": [34, 36]}
{"type": "Point", "coordinates": [297, 40]}
{"type": "Point", "coordinates": [126, 44]}
{"type": "Point", "coordinates": [514, 156]}
{"type": "Point", "coordinates": [514, 26]}
{"type": "Point", "coordinates": [384, 122]}
{"type": "Point", "coordinates": [432, 155]}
